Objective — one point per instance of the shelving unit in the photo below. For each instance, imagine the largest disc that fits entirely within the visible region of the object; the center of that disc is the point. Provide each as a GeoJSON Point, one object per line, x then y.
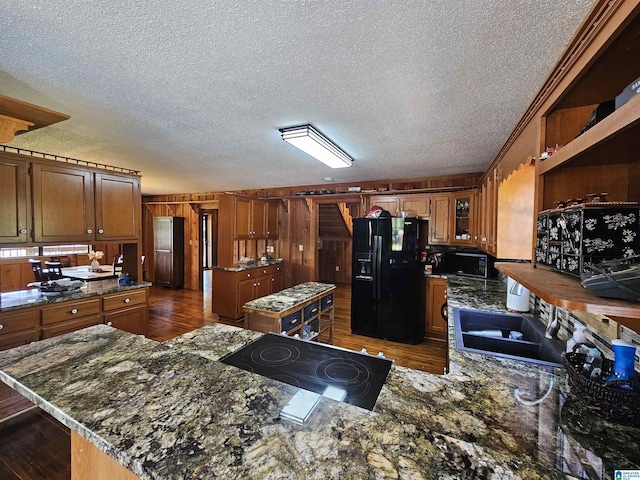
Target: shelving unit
{"type": "Point", "coordinates": [600, 62]}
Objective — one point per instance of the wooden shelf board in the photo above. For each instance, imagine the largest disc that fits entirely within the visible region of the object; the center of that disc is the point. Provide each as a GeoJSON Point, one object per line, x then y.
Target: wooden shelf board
{"type": "Point", "coordinates": [39, 116]}
{"type": "Point", "coordinates": [620, 122]}
{"type": "Point", "coordinates": [567, 292]}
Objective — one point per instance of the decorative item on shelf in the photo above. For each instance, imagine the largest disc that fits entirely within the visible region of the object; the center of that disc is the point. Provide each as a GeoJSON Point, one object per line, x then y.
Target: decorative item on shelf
{"type": "Point", "coordinates": [597, 197]}
{"type": "Point", "coordinates": [600, 397]}
{"type": "Point", "coordinates": [550, 151]}
{"type": "Point", "coordinates": [94, 256]}
{"type": "Point", "coordinates": [599, 113]}
{"type": "Point", "coordinates": [628, 93]}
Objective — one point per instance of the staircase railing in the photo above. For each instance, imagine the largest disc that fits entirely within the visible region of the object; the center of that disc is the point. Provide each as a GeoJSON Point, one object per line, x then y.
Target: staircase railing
{"type": "Point", "coordinates": [346, 216]}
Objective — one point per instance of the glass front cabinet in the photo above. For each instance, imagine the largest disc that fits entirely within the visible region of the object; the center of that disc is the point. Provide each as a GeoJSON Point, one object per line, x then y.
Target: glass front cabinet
{"type": "Point", "coordinates": [462, 215]}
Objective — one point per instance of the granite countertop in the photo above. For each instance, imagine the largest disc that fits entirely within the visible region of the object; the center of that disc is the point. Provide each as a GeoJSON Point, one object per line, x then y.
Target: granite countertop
{"type": "Point", "coordinates": [289, 297]}
{"type": "Point", "coordinates": [172, 411]}
{"type": "Point", "coordinates": [241, 267]}
{"type": "Point", "coordinates": [33, 298]}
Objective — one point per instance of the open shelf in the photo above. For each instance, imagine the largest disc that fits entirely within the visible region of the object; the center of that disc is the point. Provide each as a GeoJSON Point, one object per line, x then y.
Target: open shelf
{"type": "Point", "coordinates": [567, 292]}
{"type": "Point", "coordinates": [39, 116]}
{"type": "Point", "coordinates": [615, 140]}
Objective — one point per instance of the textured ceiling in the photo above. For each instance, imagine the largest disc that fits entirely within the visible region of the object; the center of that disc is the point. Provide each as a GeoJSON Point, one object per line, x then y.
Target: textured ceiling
{"type": "Point", "coordinates": [193, 93]}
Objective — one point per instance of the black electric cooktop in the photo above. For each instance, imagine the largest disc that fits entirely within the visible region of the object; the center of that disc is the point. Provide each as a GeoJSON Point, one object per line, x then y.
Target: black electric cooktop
{"type": "Point", "coordinates": [358, 377]}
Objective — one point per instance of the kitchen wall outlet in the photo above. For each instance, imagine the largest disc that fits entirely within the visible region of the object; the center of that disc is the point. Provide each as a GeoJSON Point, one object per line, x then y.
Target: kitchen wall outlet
{"type": "Point", "coordinates": [301, 248]}
{"type": "Point", "coordinates": [269, 248]}
{"type": "Point", "coordinates": [337, 268]}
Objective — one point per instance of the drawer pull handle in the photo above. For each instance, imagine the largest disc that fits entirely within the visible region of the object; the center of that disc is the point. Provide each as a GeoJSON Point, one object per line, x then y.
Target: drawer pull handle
{"type": "Point", "coordinates": [329, 302]}
{"type": "Point", "coordinates": [109, 323]}
{"type": "Point", "coordinates": [126, 300]}
{"type": "Point", "coordinates": [248, 275]}
{"type": "Point", "coordinates": [100, 231]}
{"type": "Point", "coordinates": [314, 310]}
{"type": "Point", "coordinates": [1, 326]}
{"type": "Point", "coordinates": [295, 320]}
{"type": "Point", "coordinates": [74, 311]}
{"type": "Point", "coordinates": [89, 231]}
{"type": "Point", "coordinates": [23, 231]}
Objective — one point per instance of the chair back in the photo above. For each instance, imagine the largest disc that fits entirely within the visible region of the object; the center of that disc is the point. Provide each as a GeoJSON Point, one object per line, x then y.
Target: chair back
{"type": "Point", "coordinates": [38, 274]}
{"type": "Point", "coordinates": [65, 260]}
{"type": "Point", "coordinates": [54, 270]}
{"type": "Point", "coordinates": [117, 265]}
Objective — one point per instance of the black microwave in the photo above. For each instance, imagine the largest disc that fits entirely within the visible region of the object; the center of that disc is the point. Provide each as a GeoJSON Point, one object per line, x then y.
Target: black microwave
{"type": "Point", "coordinates": [470, 263]}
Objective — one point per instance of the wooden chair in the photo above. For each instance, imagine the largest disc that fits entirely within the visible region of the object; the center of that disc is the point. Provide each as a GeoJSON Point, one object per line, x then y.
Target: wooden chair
{"type": "Point", "coordinates": [117, 265]}
{"type": "Point", "coordinates": [38, 273]}
{"type": "Point", "coordinates": [54, 270]}
{"type": "Point", "coordinates": [65, 260]}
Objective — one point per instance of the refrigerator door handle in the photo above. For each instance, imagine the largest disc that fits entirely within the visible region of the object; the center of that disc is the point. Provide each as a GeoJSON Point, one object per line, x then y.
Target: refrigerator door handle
{"type": "Point", "coordinates": [377, 262]}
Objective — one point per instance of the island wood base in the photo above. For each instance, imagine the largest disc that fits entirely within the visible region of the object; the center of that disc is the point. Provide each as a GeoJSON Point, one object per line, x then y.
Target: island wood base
{"type": "Point", "coordinates": [87, 461]}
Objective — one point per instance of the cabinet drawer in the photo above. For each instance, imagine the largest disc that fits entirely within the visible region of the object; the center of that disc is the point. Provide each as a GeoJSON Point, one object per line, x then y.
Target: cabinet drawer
{"type": "Point", "coordinates": [70, 311]}
{"type": "Point", "coordinates": [292, 320]}
{"type": "Point", "coordinates": [326, 302]}
{"type": "Point", "coordinates": [70, 326]}
{"type": "Point", "coordinates": [19, 320]}
{"type": "Point", "coordinates": [311, 310]}
{"type": "Point", "coordinates": [17, 339]}
{"type": "Point", "coordinates": [124, 299]}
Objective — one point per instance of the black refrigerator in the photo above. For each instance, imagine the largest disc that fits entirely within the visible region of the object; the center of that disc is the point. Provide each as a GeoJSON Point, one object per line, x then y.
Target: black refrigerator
{"type": "Point", "coordinates": [387, 279]}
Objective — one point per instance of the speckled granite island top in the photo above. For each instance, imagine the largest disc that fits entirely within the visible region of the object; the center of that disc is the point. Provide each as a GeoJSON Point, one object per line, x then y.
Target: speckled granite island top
{"type": "Point", "coordinates": [289, 297]}
{"type": "Point", "coordinates": [171, 411]}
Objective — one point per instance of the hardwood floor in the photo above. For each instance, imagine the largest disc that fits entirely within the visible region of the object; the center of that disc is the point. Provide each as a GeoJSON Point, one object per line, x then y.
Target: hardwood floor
{"type": "Point", "coordinates": [34, 446]}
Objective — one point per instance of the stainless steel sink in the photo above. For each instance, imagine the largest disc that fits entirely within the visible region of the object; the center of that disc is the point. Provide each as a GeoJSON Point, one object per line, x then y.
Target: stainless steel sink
{"type": "Point", "coordinates": [517, 337]}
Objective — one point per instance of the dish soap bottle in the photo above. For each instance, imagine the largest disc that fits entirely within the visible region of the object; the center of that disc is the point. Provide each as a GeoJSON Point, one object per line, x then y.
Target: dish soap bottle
{"type": "Point", "coordinates": [579, 336]}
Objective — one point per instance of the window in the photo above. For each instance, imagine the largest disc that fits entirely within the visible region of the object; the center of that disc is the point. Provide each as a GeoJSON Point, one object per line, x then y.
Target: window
{"type": "Point", "coordinates": [17, 252]}
{"type": "Point", "coordinates": [14, 252]}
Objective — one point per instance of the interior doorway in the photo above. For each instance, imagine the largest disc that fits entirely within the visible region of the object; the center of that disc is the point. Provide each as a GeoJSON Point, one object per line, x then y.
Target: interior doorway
{"type": "Point", "coordinates": [208, 219]}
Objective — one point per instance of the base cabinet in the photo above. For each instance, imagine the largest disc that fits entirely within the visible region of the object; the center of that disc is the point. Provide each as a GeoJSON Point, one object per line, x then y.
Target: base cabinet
{"type": "Point", "coordinates": [231, 290]}
{"type": "Point", "coordinates": [126, 310]}
{"type": "Point", "coordinates": [436, 325]}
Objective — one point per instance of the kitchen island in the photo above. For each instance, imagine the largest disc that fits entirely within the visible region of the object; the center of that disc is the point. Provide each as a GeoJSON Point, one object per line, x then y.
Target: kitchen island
{"type": "Point", "coordinates": [172, 410]}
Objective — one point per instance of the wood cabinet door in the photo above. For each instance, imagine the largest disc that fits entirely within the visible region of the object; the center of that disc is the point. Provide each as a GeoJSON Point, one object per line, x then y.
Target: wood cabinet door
{"type": "Point", "coordinates": [420, 204]}
{"type": "Point", "coordinates": [163, 267]}
{"type": "Point", "coordinates": [62, 204]}
{"type": "Point", "coordinates": [462, 218]}
{"type": "Point", "coordinates": [242, 228]}
{"type": "Point", "coordinates": [439, 220]}
{"type": "Point", "coordinates": [277, 282]}
{"type": "Point", "coordinates": [14, 200]}
{"type": "Point", "coordinates": [132, 320]}
{"type": "Point", "coordinates": [245, 293]}
{"type": "Point", "coordinates": [262, 286]}
{"type": "Point", "coordinates": [436, 298]}
{"type": "Point", "coordinates": [259, 214]}
{"type": "Point", "coordinates": [117, 207]}
{"type": "Point", "coordinates": [272, 220]}
{"type": "Point", "coordinates": [387, 202]}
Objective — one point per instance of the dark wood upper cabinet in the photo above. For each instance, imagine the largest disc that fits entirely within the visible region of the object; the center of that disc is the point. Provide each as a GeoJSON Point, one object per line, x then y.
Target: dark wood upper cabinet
{"type": "Point", "coordinates": [62, 203]}
{"type": "Point", "coordinates": [14, 200]}
{"type": "Point", "coordinates": [117, 207]}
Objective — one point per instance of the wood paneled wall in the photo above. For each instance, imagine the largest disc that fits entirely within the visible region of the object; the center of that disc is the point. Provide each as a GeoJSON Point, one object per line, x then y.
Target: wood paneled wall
{"type": "Point", "coordinates": [297, 243]}
{"type": "Point", "coordinates": [188, 207]}
{"type": "Point", "coordinates": [332, 254]}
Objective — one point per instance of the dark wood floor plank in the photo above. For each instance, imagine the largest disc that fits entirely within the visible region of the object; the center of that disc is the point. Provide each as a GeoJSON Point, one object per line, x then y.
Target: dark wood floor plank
{"type": "Point", "coordinates": [33, 447]}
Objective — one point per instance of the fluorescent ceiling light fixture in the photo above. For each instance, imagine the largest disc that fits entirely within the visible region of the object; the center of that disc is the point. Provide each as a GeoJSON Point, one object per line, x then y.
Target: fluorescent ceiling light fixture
{"type": "Point", "coordinates": [314, 143]}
